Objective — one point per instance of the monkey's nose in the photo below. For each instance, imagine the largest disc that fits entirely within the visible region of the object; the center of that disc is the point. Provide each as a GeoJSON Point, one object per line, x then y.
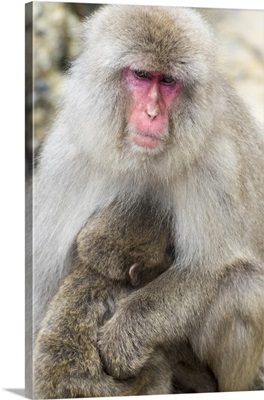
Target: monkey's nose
{"type": "Point", "coordinates": [152, 110]}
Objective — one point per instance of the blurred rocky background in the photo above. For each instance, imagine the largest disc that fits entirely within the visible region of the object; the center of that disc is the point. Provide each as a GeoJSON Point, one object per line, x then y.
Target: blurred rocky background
{"type": "Point", "coordinates": [51, 32]}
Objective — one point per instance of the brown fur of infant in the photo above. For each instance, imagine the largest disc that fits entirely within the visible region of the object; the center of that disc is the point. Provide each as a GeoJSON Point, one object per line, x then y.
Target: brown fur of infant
{"type": "Point", "coordinates": [132, 247]}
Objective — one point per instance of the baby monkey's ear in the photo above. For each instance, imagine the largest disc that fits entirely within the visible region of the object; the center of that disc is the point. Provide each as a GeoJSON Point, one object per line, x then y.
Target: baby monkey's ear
{"type": "Point", "coordinates": [134, 274]}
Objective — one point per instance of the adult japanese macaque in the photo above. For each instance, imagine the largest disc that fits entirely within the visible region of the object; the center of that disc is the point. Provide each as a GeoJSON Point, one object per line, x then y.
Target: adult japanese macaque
{"type": "Point", "coordinates": [148, 109]}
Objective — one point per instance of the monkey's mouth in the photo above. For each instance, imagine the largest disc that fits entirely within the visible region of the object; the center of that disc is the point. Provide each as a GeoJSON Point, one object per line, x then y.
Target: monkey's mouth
{"type": "Point", "coordinates": [147, 140]}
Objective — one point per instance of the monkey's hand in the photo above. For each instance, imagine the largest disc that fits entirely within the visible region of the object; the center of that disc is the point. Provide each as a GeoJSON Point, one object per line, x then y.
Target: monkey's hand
{"type": "Point", "coordinates": [155, 315]}
{"type": "Point", "coordinates": [144, 320]}
{"type": "Point", "coordinates": [125, 339]}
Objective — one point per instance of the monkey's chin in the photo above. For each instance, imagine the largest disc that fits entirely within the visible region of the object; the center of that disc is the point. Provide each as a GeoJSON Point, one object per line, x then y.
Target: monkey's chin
{"type": "Point", "coordinates": [148, 142]}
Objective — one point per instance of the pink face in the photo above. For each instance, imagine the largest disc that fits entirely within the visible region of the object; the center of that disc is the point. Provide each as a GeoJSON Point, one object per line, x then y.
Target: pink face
{"type": "Point", "coordinates": [152, 94]}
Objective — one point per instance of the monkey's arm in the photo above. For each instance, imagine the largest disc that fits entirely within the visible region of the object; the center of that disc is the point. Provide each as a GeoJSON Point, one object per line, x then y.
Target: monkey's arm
{"type": "Point", "coordinates": [220, 312]}
{"type": "Point", "coordinates": [154, 315]}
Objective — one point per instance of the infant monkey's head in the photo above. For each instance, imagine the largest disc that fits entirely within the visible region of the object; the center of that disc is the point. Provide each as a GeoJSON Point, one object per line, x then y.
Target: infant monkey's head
{"type": "Point", "coordinates": [132, 242]}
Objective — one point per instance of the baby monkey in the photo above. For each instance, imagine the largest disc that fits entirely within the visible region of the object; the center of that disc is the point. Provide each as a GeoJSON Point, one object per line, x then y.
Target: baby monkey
{"type": "Point", "coordinates": [132, 246]}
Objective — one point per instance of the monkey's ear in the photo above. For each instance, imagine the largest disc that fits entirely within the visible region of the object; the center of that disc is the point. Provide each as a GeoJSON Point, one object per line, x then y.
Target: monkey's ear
{"type": "Point", "coordinates": [134, 274]}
